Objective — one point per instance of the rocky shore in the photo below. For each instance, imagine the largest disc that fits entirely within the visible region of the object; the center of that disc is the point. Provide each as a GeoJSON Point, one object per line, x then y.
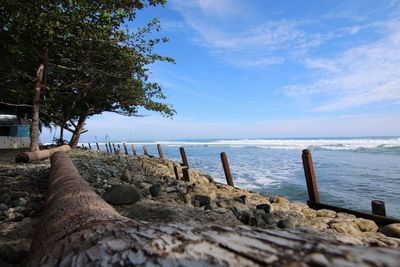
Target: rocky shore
{"type": "Point", "coordinates": [145, 188]}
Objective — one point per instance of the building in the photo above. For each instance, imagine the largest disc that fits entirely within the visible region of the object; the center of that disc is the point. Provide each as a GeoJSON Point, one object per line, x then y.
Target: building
{"type": "Point", "coordinates": [14, 128]}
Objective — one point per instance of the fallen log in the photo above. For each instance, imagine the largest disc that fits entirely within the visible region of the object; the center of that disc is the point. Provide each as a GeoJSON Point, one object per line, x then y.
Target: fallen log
{"type": "Point", "coordinates": [27, 157]}
{"type": "Point", "coordinates": [80, 229]}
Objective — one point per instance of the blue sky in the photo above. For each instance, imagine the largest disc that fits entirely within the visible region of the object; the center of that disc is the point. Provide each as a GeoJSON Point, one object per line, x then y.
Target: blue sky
{"type": "Point", "coordinates": [260, 69]}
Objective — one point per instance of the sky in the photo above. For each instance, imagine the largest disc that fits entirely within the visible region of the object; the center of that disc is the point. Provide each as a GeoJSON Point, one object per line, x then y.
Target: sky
{"type": "Point", "coordinates": [270, 69]}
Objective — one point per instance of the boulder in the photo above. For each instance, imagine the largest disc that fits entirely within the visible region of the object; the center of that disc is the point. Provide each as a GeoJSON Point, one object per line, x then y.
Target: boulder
{"type": "Point", "coordinates": [347, 228]}
{"type": "Point", "coordinates": [120, 194]}
{"type": "Point", "coordinates": [264, 207]}
{"type": "Point", "coordinates": [366, 225]}
{"type": "Point", "coordinates": [392, 230]}
{"type": "Point", "coordinates": [155, 190]}
{"type": "Point", "coordinates": [326, 213]}
{"type": "Point", "coordinates": [286, 223]}
{"type": "Point", "coordinates": [202, 199]}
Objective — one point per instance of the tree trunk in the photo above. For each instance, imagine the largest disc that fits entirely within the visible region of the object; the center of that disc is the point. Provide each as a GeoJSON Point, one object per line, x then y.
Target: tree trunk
{"type": "Point", "coordinates": [78, 130]}
{"type": "Point", "coordinates": [35, 110]}
{"type": "Point", "coordinates": [80, 229]}
{"type": "Point", "coordinates": [35, 129]}
{"type": "Point", "coordinates": [28, 157]}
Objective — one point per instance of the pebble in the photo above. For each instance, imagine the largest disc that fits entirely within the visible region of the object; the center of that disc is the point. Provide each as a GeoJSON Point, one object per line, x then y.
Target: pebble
{"type": "Point", "coordinates": [317, 260]}
{"type": "Point", "coordinates": [155, 190]}
{"type": "Point", "coordinates": [264, 207]}
{"type": "Point", "coordinates": [286, 223]}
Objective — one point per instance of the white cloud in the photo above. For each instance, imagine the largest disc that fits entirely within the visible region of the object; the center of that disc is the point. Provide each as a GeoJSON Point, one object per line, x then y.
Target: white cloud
{"type": "Point", "coordinates": [360, 75]}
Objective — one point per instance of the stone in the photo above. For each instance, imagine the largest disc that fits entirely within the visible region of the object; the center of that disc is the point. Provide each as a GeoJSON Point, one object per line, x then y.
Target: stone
{"type": "Point", "coordinates": [366, 225]}
{"type": "Point", "coordinates": [11, 216]}
{"type": "Point", "coordinates": [286, 223]}
{"type": "Point", "coordinates": [3, 206]}
{"type": "Point", "coordinates": [326, 213]}
{"type": "Point", "coordinates": [155, 190]}
{"type": "Point", "coordinates": [264, 207]}
{"type": "Point", "coordinates": [126, 176]}
{"type": "Point", "coordinates": [343, 215]}
{"type": "Point", "coordinates": [220, 210]}
{"type": "Point", "coordinates": [309, 213]}
{"type": "Point", "coordinates": [318, 260]}
{"type": "Point", "coordinates": [203, 200]}
{"type": "Point", "coordinates": [241, 199]}
{"type": "Point", "coordinates": [171, 189]}
{"type": "Point", "coordinates": [22, 201]}
{"type": "Point", "coordinates": [347, 228]}
{"type": "Point", "coordinates": [245, 218]}
{"type": "Point", "coordinates": [236, 212]}
{"type": "Point", "coordinates": [392, 230]}
{"type": "Point", "coordinates": [120, 194]}
{"type": "Point", "coordinates": [282, 201]}
{"type": "Point", "coordinates": [208, 207]}
{"type": "Point", "coordinates": [268, 218]}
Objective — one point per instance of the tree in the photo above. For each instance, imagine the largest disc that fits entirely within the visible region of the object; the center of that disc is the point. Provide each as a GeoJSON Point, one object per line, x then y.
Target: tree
{"type": "Point", "coordinates": [66, 50]}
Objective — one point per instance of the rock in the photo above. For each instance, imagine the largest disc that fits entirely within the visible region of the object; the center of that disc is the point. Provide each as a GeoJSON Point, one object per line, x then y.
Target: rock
{"type": "Point", "coordinates": [120, 194]}
{"type": "Point", "coordinates": [392, 230]}
{"type": "Point", "coordinates": [326, 213]}
{"type": "Point", "coordinates": [366, 225]}
{"type": "Point", "coordinates": [245, 218]}
{"type": "Point", "coordinates": [208, 207]}
{"type": "Point", "coordinates": [347, 228]}
{"type": "Point", "coordinates": [281, 200]}
{"type": "Point", "coordinates": [203, 200]}
{"type": "Point", "coordinates": [220, 210]}
{"type": "Point", "coordinates": [309, 213]}
{"type": "Point", "coordinates": [126, 176]}
{"type": "Point", "coordinates": [268, 218]}
{"type": "Point", "coordinates": [265, 207]}
{"type": "Point", "coordinates": [318, 260]}
{"type": "Point", "coordinates": [3, 206]}
{"type": "Point", "coordinates": [155, 190]}
{"type": "Point", "coordinates": [241, 199]}
{"type": "Point", "coordinates": [236, 212]}
{"type": "Point", "coordinates": [22, 201]}
{"type": "Point", "coordinates": [171, 189]}
{"type": "Point", "coordinates": [343, 215]}
{"type": "Point", "coordinates": [11, 216]}
{"type": "Point", "coordinates": [287, 223]}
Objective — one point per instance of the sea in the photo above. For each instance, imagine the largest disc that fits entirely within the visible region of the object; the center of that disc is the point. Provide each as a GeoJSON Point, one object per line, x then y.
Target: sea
{"type": "Point", "coordinates": [351, 172]}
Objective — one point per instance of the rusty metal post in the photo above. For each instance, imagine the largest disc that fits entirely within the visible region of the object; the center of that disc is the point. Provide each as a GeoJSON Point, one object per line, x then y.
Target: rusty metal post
{"type": "Point", "coordinates": [125, 149]}
{"type": "Point", "coordinates": [133, 149]}
{"type": "Point", "coordinates": [183, 156]}
{"type": "Point", "coordinates": [97, 145]}
{"type": "Point", "coordinates": [311, 180]}
{"type": "Point", "coordinates": [145, 150]}
{"type": "Point", "coordinates": [185, 173]}
{"type": "Point", "coordinates": [160, 152]}
{"type": "Point", "coordinates": [378, 207]}
{"type": "Point", "coordinates": [176, 171]}
{"type": "Point", "coordinates": [227, 170]}
{"type": "Point", "coordinates": [90, 147]}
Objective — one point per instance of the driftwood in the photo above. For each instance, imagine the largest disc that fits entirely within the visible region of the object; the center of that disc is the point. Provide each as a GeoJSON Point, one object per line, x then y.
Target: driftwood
{"type": "Point", "coordinates": [27, 157]}
{"type": "Point", "coordinates": [80, 229]}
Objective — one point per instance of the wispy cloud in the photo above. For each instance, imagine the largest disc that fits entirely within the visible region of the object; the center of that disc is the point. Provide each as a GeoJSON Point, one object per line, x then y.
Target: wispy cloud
{"type": "Point", "coordinates": [357, 76]}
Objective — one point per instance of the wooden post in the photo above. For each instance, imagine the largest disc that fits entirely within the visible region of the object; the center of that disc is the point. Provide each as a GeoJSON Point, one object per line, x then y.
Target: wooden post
{"type": "Point", "coordinates": [145, 150]}
{"type": "Point", "coordinates": [183, 156]}
{"type": "Point", "coordinates": [378, 207]}
{"type": "Point", "coordinates": [125, 149]}
{"type": "Point", "coordinates": [160, 152]}
{"type": "Point", "coordinates": [133, 150]}
{"type": "Point", "coordinates": [185, 173]}
{"type": "Point", "coordinates": [90, 147]}
{"type": "Point", "coordinates": [83, 146]}
{"type": "Point", "coordinates": [176, 171]}
{"type": "Point", "coordinates": [108, 151]}
{"type": "Point", "coordinates": [97, 145]}
{"type": "Point", "coordinates": [311, 180]}
{"type": "Point", "coordinates": [115, 149]}
{"type": "Point", "coordinates": [227, 170]}
{"type": "Point", "coordinates": [119, 149]}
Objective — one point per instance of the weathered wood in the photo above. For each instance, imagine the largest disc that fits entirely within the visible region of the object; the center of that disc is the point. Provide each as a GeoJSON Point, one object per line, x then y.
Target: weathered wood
{"type": "Point", "coordinates": [125, 149]}
{"type": "Point", "coordinates": [379, 220]}
{"type": "Point", "coordinates": [133, 149]}
{"type": "Point", "coordinates": [176, 172]}
{"type": "Point", "coordinates": [183, 156]}
{"type": "Point", "coordinates": [90, 146]}
{"type": "Point", "coordinates": [227, 170]}
{"type": "Point", "coordinates": [185, 173]}
{"type": "Point", "coordinates": [378, 207]}
{"type": "Point", "coordinates": [311, 180]}
{"type": "Point", "coordinates": [114, 147]}
{"type": "Point", "coordinates": [27, 157]}
{"type": "Point", "coordinates": [160, 152]}
{"type": "Point", "coordinates": [145, 150]}
{"type": "Point", "coordinates": [79, 228]}
{"type": "Point", "coordinates": [97, 145]}
{"type": "Point", "coordinates": [108, 151]}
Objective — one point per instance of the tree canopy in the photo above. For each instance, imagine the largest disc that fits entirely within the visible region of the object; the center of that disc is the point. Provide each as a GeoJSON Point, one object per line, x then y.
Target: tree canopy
{"type": "Point", "coordinates": [90, 63]}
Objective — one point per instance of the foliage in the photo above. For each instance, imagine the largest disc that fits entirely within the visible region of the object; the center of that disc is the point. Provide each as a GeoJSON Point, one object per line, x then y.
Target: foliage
{"type": "Point", "coordinates": [92, 63]}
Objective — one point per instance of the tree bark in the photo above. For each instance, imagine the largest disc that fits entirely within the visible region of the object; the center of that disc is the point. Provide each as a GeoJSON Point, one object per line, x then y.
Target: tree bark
{"type": "Point", "coordinates": [80, 229]}
{"type": "Point", "coordinates": [78, 131]}
{"type": "Point", "coordinates": [27, 157]}
{"type": "Point", "coordinates": [35, 110]}
{"type": "Point", "coordinates": [35, 129]}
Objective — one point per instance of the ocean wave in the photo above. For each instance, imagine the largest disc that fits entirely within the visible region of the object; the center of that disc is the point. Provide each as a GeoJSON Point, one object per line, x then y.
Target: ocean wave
{"type": "Point", "coordinates": [290, 144]}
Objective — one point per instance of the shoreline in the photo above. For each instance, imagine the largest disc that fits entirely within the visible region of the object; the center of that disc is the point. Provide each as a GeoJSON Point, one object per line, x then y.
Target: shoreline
{"type": "Point", "coordinates": [163, 199]}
